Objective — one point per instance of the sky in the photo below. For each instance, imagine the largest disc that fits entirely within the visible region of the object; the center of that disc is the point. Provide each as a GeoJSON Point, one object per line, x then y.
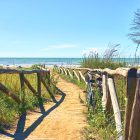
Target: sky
{"type": "Point", "coordinates": [65, 28]}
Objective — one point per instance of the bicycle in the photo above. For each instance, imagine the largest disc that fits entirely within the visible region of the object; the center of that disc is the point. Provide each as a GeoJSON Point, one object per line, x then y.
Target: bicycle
{"type": "Point", "coordinates": [90, 96]}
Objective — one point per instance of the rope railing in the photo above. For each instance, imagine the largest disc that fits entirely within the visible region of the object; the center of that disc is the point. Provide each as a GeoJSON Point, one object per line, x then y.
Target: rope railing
{"type": "Point", "coordinates": [132, 109]}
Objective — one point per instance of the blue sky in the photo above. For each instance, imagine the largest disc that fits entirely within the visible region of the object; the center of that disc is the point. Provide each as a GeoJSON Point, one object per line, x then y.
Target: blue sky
{"type": "Point", "coordinates": [64, 28]}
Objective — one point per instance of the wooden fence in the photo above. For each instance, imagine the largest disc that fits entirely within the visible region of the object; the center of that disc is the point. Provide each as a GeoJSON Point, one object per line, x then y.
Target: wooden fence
{"type": "Point", "coordinates": [132, 110]}
{"type": "Point", "coordinates": [41, 78]}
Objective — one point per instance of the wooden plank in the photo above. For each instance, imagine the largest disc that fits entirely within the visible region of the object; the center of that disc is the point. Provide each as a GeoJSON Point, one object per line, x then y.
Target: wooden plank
{"type": "Point", "coordinates": [134, 131]}
{"type": "Point", "coordinates": [69, 73]}
{"type": "Point", "coordinates": [30, 87]}
{"type": "Point", "coordinates": [62, 72]}
{"type": "Point", "coordinates": [118, 71]}
{"type": "Point", "coordinates": [108, 104]}
{"type": "Point", "coordinates": [80, 69]}
{"type": "Point", "coordinates": [42, 68]}
{"type": "Point", "coordinates": [9, 93]}
{"type": "Point", "coordinates": [39, 84]}
{"type": "Point", "coordinates": [116, 109]}
{"type": "Point", "coordinates": [21, 75]}
{"type": "Point", "coordinates": [130, 93]}
{"type": "Point", "coordinates": [82, 76]}
{"type": "Point", "coordinates": [59, 70]}
{"type": "Point", "coordinates": [105, 92]}
{"type": "Point", "coordinates": [65, 72]}
{"type": "Point", "coordinates": [108, 101]}
{"type": "Point", "coordinates": [75, 74]}
{"type": "Point", "coordinates": [49, 91]}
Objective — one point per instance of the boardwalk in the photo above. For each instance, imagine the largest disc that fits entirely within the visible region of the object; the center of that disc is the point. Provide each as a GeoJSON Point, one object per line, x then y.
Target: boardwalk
{"type": "Point", "coordinates": [64, 120]}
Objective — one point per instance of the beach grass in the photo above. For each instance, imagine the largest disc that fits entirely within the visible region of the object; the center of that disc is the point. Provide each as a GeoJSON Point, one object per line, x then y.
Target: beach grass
{"type": "Point", "coordinates": [102, 124]}
{"type": "Point", "coordinates": [99, 125]}
{"type": "Point", "coordinates": [10, 110]}
{"type": "Point", "coordinates": [95, 60]}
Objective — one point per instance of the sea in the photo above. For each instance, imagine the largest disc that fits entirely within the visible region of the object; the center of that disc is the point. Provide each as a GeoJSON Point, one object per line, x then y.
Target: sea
{"type": "Point", "coordinates": [54, 61]}
{"type": "Point", "coordinates": [46, 61]}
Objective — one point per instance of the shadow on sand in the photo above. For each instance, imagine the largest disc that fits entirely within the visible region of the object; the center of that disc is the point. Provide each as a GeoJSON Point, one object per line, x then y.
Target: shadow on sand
{"type": "Point", "coordinates": [20, 134]}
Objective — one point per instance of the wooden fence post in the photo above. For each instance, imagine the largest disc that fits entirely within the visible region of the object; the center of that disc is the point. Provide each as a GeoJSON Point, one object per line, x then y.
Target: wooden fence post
{"type": "Point", "coordinates": [61, 71]}
{"type": "Point", "coordinates": [108, 103]}
{"type": "Point", "coordinates": [69, 73]}
{"type": "Point", "coordinates": [22, 88]}
{"type": "Point", "coordinates": [81, 76]}
{"type": "Point", "coordinates": [116, 109]}
{"type": "Point", "coordinates": [30, 87]}
{"type": "Point", "coordinates": [49, 91]}
{"type": "Point", "coordinates": [65, 72]}
{"type": "Point", "coordinates": [134, 131]}
{"type": "Point", "coordinates": [10, 93]}
{"type": "Point", "coordinates": [73, 73]}
{"type": "Point", "coordinates": [39, 84]}
{"type": "Point", "coordinates": [77, 77]}
{"type": "Point", "coordinates": [130, 93]}
{"type": "Point", "coordinates": [105, 92]}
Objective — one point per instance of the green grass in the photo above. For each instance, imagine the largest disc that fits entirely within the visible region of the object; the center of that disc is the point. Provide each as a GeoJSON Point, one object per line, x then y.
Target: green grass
{"type": "Point", "coordinates": [81, 84]}
{"type": "Point", "coordinates": [101, 125]}
{"type": "Point", "coordinates": [95, 61]}
{"type": "Point", "coordinates": [9, 109]}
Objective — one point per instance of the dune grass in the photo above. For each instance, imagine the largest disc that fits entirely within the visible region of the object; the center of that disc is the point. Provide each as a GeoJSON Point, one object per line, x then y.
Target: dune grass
{"type": "Point", "coordinates": [95, 60]}
{"type": "Point", "coordinates": [9, 109]}
{"type": "Point", "coordinates": [102, 124]}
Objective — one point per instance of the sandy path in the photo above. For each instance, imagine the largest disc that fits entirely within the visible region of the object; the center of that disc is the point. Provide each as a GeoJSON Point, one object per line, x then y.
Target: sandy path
{"type": "Point", "coordinates": [61, 121]}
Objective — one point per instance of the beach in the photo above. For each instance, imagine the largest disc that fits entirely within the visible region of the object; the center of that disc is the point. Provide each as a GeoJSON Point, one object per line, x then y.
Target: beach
{"type": "Point", "coordinates": [50, 62]}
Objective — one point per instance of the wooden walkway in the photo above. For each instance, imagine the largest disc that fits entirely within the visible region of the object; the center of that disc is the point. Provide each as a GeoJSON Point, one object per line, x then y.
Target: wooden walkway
{"type": "Point", "coordinates": [64, 120]}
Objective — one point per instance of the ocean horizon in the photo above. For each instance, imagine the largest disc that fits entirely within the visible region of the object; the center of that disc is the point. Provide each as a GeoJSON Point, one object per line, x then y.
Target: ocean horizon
{"type": "Point", "coordinates": [46, 61]}
{"type": "Point", "coordinates": [53, 61]}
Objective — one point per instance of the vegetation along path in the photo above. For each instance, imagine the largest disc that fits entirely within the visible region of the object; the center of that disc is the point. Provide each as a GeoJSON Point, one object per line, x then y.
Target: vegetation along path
{"type": "Point", "coordinates": [64, 120]}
